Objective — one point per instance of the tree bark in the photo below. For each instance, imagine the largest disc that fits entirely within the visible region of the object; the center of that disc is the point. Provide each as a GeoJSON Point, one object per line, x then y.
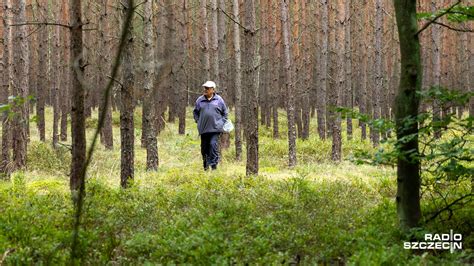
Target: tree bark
{"type": "Point", "coordinates": [321, 109]}
{"type": "Point", "coordinates": [20, 85]}
{"type": "Point", "coordinates": [56, 68]}
{"type": "Point", "coordinates": [250, 55]}
{"type": "Point", "coordinates": [378, 70]}
{"type": "Point", "coordinates": [43, 84]}
{"type": "Point", "coordinates": [106, 132]}
{"type": "Point", "coordinates": [66, 73]}
{"type": "Point", "coordinates": [238, 81]}
{"type": "Point", "coordinates": [148, 127]}
{"type": "Point", "coordinates": [349, 93]}
{"type": "Point", "coordinates": [306, 89]}
{"type": "Point", "coordinates": [289, 85]}
{"type": "Point", "coordinates": [407, 103]}
{"type": "Point", "coordinates": [5, 89]}
{"type": "Point", "coordinates": [127, 129]}
{"type": "Point", "coordinates": [78, 129]}
{"type": "Point", "coordinates": [205, 41]}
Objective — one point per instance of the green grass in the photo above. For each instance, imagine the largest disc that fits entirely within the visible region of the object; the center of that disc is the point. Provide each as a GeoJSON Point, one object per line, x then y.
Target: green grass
{"type": "Point", "coordinates": [318, 212]}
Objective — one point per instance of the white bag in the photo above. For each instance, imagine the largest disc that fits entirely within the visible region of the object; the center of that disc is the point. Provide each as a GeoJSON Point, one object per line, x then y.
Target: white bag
{"type": "Point", "coordinates": [228, 126]}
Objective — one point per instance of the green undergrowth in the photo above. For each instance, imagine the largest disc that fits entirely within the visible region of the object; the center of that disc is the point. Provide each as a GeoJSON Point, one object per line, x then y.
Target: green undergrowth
{"type": "Point", "coordinates": [316, 213]}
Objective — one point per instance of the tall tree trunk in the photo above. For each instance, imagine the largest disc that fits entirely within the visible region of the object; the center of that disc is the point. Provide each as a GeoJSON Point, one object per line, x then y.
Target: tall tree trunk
{"type": "Point", "coordinates": [238, 81]}
{"type": "Point", "coordinates": [43, 84]}
{"type": "Point", "coordinates": [5, 88]}
{"type": "Point", "coordinates": [66, 73]}
{"type": "Point", "coordinates": [306, 93]}
{"type": "Point", "coordinates": [221, 77]}
{"type": "Point", "coordinates": [250, 55]}
{"type": "Point", "coordinates": [148, 110]}
{"type": "Point", "coordinates": [275, 94]}
{"type": "Point", "coordinates": [289, 84]}
{"type": "Point", "coordinates": [56, 68]}
{"type": "Point", "coordinates": [349, 93]}
{"type": "Point", "coordinates": [214, 39]}
{"type": "Point", "coordinates": [205, 41]}
{"type": "Point", "coordinates": [321, 109]}
{"type": "Point", "coordinates": [106, 133]}
{"type": "Point", "coordinates": [378, 70]}
{"type": "Point", "coordinates": [181, 74]}
{"type": "Point", "coordinates": [337, 83]}
{"type": "Point", "coordinates": [127, 129]}
{"type": "Point", "coordinates": [20, 85]}
{"type": "Point", "coordinates": [407, 103]}
{"type": "Point", "coordinates": [78, 129]}
{"type": "Point", "coordinates": [436, 65]}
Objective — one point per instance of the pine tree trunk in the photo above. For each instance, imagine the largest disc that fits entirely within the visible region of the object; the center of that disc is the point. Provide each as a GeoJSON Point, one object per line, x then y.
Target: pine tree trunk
{"type": "Point", "coordinates": [106, 133]}
{"type": "Point", "coordinates": [321, 109]}
{"type": "Point", "coordinates": [205, 41]}
{"type": "Point", "coordinates": [275, 94]}
{"type": "Point", "coordinates": [289, 84]}
{"type": "Point", "coordinates": [148, 111]}
{"type": "Point", "coordinates": [306, 94]}
{"type": "Point", "coordinates": [180, 76]}
{"type": "Point", "coordinates": [436, 64]}
{"type": "Point", "coordinates": [57, 77]}
{"type": "Point", "coordinates": [238, 81]}
{"type": "Point", "coordinates": [66, 73]}
{"type": "Point", "coordinates": [43, 85]}
{"type": "Point", "coordinates": [337, 83]}
{"type": "Point", "coordinates": [250, 55]}
{"type": "Point", "coordinates": [375, 133]}
{"type": "Point", "coordinates": [78, 129]}
{"type": "Point", "coordinates": [127, 135]}
{"type": "Point", "coordinates": [20, 85]}
{"type": "Point", "coordinates": [407, 103]}
{"type": "Point", "coordinates": [5, 88]}
{"type": "Point", "coordinates": [349, 93]}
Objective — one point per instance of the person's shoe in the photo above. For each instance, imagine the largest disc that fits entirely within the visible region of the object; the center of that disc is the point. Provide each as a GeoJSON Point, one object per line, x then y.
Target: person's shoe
{"type": "Point", "coordinates": [214, 167]}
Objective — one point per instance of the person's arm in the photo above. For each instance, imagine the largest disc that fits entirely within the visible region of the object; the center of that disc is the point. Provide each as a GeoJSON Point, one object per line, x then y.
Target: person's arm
{"type": "Point", "coordinates": [225, 111]}
{"type": "Point", "coordinates": [196, 111]}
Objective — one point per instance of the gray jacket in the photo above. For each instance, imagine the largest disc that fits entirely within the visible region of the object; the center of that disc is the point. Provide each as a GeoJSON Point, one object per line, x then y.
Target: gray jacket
{"type": "Point", "coordinates": [210, 115]}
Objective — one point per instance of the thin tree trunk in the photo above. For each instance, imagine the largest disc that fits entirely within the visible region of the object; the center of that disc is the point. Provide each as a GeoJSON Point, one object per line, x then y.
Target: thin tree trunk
{"type": "Point", "coordinates": [337, 83]}
{"type": "Point", "coordinates": [127, 128]}
{"type": "Point", "coordinates": [57, 77]}
{"type": "Point", "coordinates": [20, 85]}
{"type": "Point", "coordinates": [275, 94]}
{"type": "Point", "coordinates": [5, 91]}
{"type": "Point", "coordinates": [106, 133]}
{"type": "Point", "coordinates": [407, 103]}
{"type": "Point", "coordinates": [78, 129]}
{"type": "Point", "coordinates": [307, 72]}
{"type": "Point", "coordinates": [148, 110]}
{"type": "Point", "coordinates": [250, 52]}
{"type": "Point", "coordinates": [205, 41]}
{"type": "Point", "coordinates": [375, 134]}
{"type": "Point", "coordinates": [321, 110]}
{"type": "Point", "coordinates": [349, 93]}
{"type": "Point", "coordinates": [289, 84]}
{"type": "Point", "coordinates": [436, 64]}
{"type": "Point", "coordinates": [66, 73]}
{"type": "Point", "coordinates": [43, 84]}
{"type": "Point", "coordinates": [238, 81]}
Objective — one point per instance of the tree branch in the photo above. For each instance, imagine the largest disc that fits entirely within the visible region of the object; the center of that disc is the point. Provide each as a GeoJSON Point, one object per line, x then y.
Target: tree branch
{"type": "Point", "coordinates": [227, 15]}
{"type": "Point", "coordinates": [452, 28]}
{"type": "Point", "coordinates": [448, 207]}
{"type": "Point", "coordinates": [41, 24]}
{"type": "Point", "coordinates": [437, 17]}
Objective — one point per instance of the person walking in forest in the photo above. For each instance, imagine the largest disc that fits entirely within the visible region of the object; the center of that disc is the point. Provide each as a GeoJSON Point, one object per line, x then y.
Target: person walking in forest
{"type": "Point", "coordinates": [210, 113]}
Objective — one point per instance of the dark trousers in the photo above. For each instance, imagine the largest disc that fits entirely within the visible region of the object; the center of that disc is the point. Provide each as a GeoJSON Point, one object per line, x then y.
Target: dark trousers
{"type": "Point", "coordinates": [210, 149]}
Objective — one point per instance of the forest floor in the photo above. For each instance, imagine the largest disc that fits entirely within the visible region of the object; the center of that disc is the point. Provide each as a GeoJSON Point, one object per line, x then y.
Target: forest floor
{"type": "Point", "coordinates": [317, 212]}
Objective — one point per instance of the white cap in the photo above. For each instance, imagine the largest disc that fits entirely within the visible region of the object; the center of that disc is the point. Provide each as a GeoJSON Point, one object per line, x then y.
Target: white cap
{"type": "Point", "coordinates": [209, 84]}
